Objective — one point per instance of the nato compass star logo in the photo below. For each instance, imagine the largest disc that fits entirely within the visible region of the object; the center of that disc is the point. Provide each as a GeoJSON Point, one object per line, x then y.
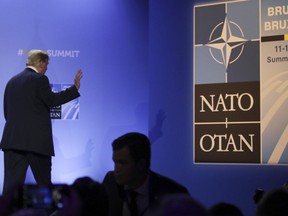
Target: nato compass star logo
{"type": "Point", "coordinates": [225, 38]}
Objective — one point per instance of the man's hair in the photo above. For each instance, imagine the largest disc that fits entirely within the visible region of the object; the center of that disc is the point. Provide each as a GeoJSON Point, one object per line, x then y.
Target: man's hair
{"type": "Point", "coordinates": [138, 144]}
{"type": "Point", "coordinates": [35, 57]}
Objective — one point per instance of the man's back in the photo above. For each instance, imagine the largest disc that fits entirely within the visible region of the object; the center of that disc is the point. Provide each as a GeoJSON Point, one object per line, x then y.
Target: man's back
{"type": "Point", "coordinates": [27, 117]}
{"type": "Point", "coordinates": [20, 93]}
{"type": "Point", "coordinates": [27, 101]}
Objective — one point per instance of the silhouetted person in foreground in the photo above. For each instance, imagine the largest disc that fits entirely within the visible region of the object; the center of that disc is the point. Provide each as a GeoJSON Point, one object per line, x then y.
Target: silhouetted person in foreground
{"type": "Point", "coordinates": [93, 196]}
{"type": "Point", "coordinates": [91, 199]}
{"type": "Point", "coordinates": [133, 188]}
{"type": "Point", "coordinates": [224, 209]}
{"type": "Point", "coordinates": [178, 205]}
{"type": "Point", "coordinates": [273, 203]}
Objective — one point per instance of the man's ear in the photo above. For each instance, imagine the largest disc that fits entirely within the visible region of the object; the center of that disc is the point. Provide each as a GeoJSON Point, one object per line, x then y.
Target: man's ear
{"type": "Point", "coordinates": [41, 64]}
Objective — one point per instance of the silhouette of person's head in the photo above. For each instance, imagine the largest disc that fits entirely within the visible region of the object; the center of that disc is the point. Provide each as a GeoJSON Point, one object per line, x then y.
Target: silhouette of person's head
{"type": "Point", "coordinates": [224, 209]}
{"type": "Point", "coordinates": [180, 205]}
{"type": "Point", "coordinates": [273, 202]}
{"type": "Point", "coordinates": [93, 196]}
{"type": "Point", "coordinates": [131, 156]}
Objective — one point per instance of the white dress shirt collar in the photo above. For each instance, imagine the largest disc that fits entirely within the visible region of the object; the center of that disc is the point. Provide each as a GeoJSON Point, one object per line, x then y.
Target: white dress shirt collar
{"type": "Point", "coordinates": [33, 68]}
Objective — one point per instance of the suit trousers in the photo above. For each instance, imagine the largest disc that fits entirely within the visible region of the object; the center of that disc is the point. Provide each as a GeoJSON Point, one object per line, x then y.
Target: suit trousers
{"type": "Point", "coordinates": [16, 164]}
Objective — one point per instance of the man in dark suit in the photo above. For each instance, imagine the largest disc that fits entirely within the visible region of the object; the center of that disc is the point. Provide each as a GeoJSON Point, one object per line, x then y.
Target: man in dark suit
{"type": "Point", "coordinates": [27, 136]}
{"type": "Point", "coordinates": [131, 156]}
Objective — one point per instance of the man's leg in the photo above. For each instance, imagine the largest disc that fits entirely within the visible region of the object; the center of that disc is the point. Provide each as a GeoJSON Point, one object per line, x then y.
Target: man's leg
{"type": "Point", "coordinates": [15, 168]}
{"type": "Point", "coordinates": [41, 168]}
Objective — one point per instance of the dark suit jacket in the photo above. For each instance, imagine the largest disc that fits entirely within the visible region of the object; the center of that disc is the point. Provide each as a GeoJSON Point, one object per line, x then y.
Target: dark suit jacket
{"type": "Point", "coordinates": [27, 101]}
{"type": "Point", "coordinates": [159, 186]}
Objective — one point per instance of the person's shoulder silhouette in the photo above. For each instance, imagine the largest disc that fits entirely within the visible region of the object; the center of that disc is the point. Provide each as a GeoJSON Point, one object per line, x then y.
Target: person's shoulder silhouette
{"type": "Point", "coordinates": [273, 202]}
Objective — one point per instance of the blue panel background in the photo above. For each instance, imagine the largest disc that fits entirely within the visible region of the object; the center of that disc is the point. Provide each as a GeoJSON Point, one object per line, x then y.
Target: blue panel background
{"type": "Point", "coordinates": [137, 61]}
{"type": "Point", "coordinates": [110, 39]}
{"type": "Point", "coordinates": [171, 64]}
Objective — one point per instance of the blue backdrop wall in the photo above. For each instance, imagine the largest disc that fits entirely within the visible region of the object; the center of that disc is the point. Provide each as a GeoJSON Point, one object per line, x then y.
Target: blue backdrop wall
{"type": "Point", "coordinates": [137, 59]}
{"type": "Point", "coordinates": [108, 39]}
{"type": "Point", "coordinates": [170, 69]}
